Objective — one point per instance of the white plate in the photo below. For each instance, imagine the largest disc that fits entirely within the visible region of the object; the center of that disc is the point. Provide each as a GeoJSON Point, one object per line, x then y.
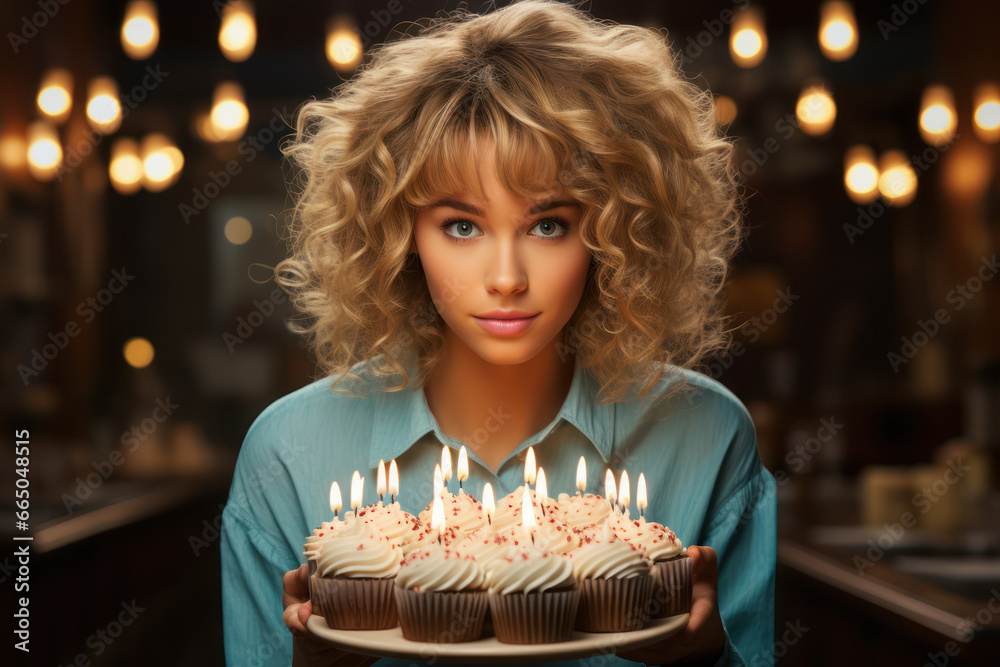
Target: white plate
{"type": "Point", "coordinates": [391, 644]}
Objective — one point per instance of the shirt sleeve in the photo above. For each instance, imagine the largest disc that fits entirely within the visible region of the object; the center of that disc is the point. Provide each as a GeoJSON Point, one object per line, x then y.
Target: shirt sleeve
{"type": "Point", "coordinates": [744, 536]}
{"type": "Point", "coordinates": [252, 614]}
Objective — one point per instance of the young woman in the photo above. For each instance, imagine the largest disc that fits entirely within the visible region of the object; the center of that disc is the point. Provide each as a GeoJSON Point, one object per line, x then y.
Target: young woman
{"type": "Point", "coordinates": [537, 164]}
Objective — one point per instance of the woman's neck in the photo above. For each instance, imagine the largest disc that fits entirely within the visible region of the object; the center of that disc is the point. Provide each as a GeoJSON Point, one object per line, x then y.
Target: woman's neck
{"type": "Point", "coordinates": [493, 408]}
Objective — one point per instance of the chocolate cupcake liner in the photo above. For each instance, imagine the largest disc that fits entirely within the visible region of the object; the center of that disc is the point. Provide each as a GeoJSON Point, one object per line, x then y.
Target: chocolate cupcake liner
{"type": "Point", "coordinates": [312, 571]}
{"type": "Point", "coordinates": [534, 618]}
{"type": "Point", "coordinates": [614, 605]}
{"type": "Point", "coordinates": [355, 604]}
{"type": "Point", "coordinates": [443, 617]}
{"type": "Point", "coordinates": [672, 580]}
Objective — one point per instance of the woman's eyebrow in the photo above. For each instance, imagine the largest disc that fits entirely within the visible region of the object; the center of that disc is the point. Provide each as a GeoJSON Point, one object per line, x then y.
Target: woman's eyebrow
{"type": "Point", "coordinates": [472, 210]}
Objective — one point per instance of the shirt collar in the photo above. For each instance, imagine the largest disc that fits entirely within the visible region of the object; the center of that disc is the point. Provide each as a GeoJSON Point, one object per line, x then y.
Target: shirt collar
{"type": "Point", "coordinates": [403, 417]}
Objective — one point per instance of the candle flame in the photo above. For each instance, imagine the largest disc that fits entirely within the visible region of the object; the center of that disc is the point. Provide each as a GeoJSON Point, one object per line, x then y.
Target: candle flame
{"type": "Point", "coordinates": [463, 464]}
{"type": "Point", "coordinates": [623, 489]}
{"type": "Point", "coordinates": [445, 464]}
{"type": "Point", "coordinates": [393, 478]}
{"type": "Point", "coordinates": [581, 475]}
{"type": "Point", "coordinates": [527, 511]}
{"type": "Point", "coordinates": [357, 490]}
{"type": "Point", "coordinates": [640, 493]}
{"type": "Point", "coordinates": [541, 488]}
{"type": "Point", "coordinates": [529, 466]}
{"type": "Point", "coordinates": [380, 480]}
{"type": "Point", "coordinates": [438, 484]}
{"type": "Point", "coordinates": [609, 487]}
{"type": "Point", "coordinates": [437, 515]}
{"type": "Point", "coordinates": [488, 501]}
{"type": "Point", "coordinates": [336, 502]}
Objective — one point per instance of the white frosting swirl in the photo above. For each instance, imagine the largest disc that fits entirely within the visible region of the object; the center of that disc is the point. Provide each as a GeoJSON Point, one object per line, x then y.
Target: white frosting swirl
{"type": "Point", "coordinates": [436, 568]}
{"type": "Point", "coordinates": [391, 520]}
{"type": "Point", "coordinates": [582, 510]}
{"type": "Point", "coordinates": [487, 549]}
{"type": "Point", "coordinates": [656, 541]}
{"type": "Point", "coordinates": [508, 509]}
{"type": "Point", "coordinates": [530, 569]}
{"type": "Point", "coordinates": [608, 557]}
{"type": "Point", "coordinates": [358, 551]}
{"type": "Point", "coordinates": [463, 511]}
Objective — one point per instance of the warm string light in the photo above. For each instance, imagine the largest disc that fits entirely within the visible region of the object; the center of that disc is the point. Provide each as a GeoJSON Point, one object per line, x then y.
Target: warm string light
{"type": "Point", "coordinates": [489, 504]}
{"type": "Point", "coordinates": [380, 481]}
{"type": "Point", "coordinates": [463, 468]}
{"type": "Point", "coordinates": [393, 481]}
{"type": "Point", "coordinates": [581, 476]}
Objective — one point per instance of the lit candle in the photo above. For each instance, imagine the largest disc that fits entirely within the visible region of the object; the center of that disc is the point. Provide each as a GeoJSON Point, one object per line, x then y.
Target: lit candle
{"type": "Point", "coordinates": [437, 516]}
{"type": "Point", "coordinates": [438, 484]}
{"type": "Point", "coordinates": [623, 492]}
{"type": "Point", "coordinates": [488, 503]}
{"type": "Point", "coordinates": [640, 497]}
{"type": "Point", "coordinates": [609, 490]}
{"type": "Point", "coordinates": [529, 467]}
{"type": "Point", "coordinates": [528, 516]}
{"type": "Point", "coordinates": [380, 481]}
{"type": "Point", "coordinates": [463, 468]}
{"type": "Point", "coordinates": [357, 491]}
{"type": "Point", "coordinates": [581, 476]}
{"type": "Point", "coordinates": [541, 490]}
{"type": "Point", "coordinates": [393, 481]}
{"type": "Point", "coordinates": [335, 500]}
{"type": "Point", "coordinates": [445, 465]}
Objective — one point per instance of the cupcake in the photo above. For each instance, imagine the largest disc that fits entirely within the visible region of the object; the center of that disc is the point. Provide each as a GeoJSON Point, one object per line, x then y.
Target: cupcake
{"type": "Point", "coordinates": [671, 566]}
{"type": "Point", "coordinates": [508, 509]}
{"type": "Point", "coordinates": [311, 548]}
{"type": "Point", "coordinates": [463, 511]}
{"type": "Point", "coordinates": [399, 526]}
{"type": "Point", "coordinates": [582, 510]}
{"type": "Point", "coordinates": [615, 585]}
{"type": "Point", "coordinates": [352, 587]}
{"type": "Point", "coordinates": [533, 597]}
{"type": "Point", "coordinates": [440, 596]}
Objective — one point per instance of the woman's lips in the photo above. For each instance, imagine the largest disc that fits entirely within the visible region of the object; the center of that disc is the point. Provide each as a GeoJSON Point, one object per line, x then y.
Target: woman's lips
{"type": "Point", "coordinates": [505, 327]}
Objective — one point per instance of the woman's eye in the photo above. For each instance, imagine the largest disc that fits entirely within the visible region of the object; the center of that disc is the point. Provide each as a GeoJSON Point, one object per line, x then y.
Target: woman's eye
{"type": "Point", "coordinates": [549, 229]}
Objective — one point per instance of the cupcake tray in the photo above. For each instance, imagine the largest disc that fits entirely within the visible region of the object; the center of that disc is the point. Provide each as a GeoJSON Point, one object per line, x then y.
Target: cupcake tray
{"type": "Point", "coordinates": [391, 644]}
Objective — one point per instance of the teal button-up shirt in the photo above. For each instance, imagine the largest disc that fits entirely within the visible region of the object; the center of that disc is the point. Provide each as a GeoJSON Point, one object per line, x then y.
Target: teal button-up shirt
{"type": "Point", "coordinates": [698, 452]}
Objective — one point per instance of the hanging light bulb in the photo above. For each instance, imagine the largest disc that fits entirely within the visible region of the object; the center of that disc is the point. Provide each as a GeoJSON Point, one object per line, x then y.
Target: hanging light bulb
{"type": "Point", "coordinates": [343, 47]}
{"type": "Point", "coordinates": [815, 109]}
{"type": "Point", "coordinates": [937, 115]}
{"type": "Point", "coordinates": [748, 40]}
{"type": "Point", "coordinates": [125, 169]}
{"type": "Point", "coordinates": [55, 95]}
{"type": "Point", "coordinates": [229, 114]}
{"type": "Point", "coordinates": [897, 182]}
{"type": "Point", "coordinates": [104, 112]}
{"type": "Point", "coordinates": [986, 117]}
{"type": "Point", "coordinates": [861, 175]}
{"type": "Point", "coordinates": [161, 162]}
{"type": "Point", "coordinates": [13, 151]}
{"type": "Point", "coordinates": [838, 30]}
{"type": "Point", "coordinates": [140, 30]}
{"type": "Point", "coordinates": [725, 110]}
{"type": "Point", "coordinates": [44, 152]}
{"type": "Point", "coordinates": [238, 32]}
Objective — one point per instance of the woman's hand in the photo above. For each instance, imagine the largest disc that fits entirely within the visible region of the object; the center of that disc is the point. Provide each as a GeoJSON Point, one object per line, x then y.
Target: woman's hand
{"type": "Point", "coordinates": [703, 639]}
{"type": "Point", "coordinates": [307, 650]}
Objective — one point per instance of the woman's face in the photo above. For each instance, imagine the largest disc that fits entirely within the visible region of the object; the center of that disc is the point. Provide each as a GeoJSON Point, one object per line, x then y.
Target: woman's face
{"type": "Point", "coordinates": [502, 254]}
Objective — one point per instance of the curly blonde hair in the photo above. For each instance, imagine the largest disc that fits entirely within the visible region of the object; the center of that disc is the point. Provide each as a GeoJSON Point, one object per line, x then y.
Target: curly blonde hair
{"type": "Point", "coordinates": [598, 109]}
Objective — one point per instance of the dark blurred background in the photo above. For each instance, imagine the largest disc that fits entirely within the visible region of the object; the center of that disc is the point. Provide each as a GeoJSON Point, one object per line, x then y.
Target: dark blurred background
{"type": "Point", "coordinates": [139, 336]}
